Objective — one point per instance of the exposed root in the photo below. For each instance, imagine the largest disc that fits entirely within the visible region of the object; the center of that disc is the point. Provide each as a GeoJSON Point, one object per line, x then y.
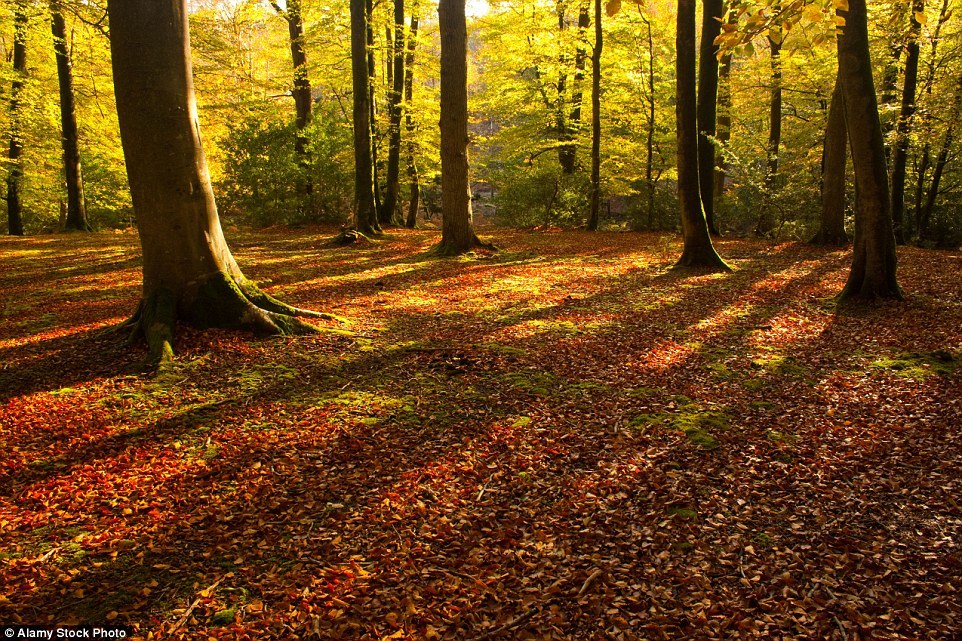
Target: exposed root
{"type": "Point", "coordinates": [350, 237]}
{"type": "Point", "coordinates": [157, 326]}
{"type": "Point", "coordinates": [268, 303]}
{"type": "Point", "coordinates": [450, 249]}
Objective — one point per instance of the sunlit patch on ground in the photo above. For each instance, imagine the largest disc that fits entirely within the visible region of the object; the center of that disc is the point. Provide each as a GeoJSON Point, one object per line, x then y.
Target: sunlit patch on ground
{"type": "Point", "coordinates": [566, 439]}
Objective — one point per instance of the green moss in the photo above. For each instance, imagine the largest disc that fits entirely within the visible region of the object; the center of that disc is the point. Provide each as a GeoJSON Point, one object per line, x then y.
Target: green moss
{"type": "Point", "coordinates": [683, 513]}
{"type": "Point", "coordinates": [753, 384]}
{"type": "Point", "coordinates": [919, 366]}
{"type": "Point", "coordinates": [642, 392]}
{"type": "Point", "coordinates": [781, 437]}
{"type": "Point", "coordinates": [504, 350]}
{"type": "Point", "coordinates": [763, 405]}
{"type": "Point", "coordinates": [696, 423]}
{"type": "Point", "coordinates": [224, 617]}
{"type": "Point", "coordinates": [534, 382]}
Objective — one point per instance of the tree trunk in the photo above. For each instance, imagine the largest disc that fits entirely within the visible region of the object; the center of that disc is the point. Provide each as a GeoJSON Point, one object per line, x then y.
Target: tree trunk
{"type": "Point", "coordinates": [76, 218]}
{"type": "Point", "coordinates": [301, 91]}
{"type": "Point", "coordinates": [698, 249]}
{"type": "Point", "coordinates": [372, 103]}
{"type": "Point", "coordinates": [189, 272]}
{"type": "Point", "coordinates": [593, 213]}
{"type": "Point", "coordinates": [365, 211]}
{"type": "Point", "coordinates": [650, 126]}
{"type": "Point", "coordinates": [723, 125]}
{"type": "Point", "coordinates": [834, 157]}
{"type": "Point", "coordinates": [767, 222]}
{"type": "Point", "coordinates": [874, 259]}
{"type": "Point", "coordinates": [412, 217]}
{"type": "Point", "coordinates": [926, 216]}
{"type": "Point", "coordinates": [395, 110]}
{"type": "Point", "coordinates": [15, 176]}
{"type": "Point", "coordinates": [567, 154]}
{"type": "Point", "coordinates": [901, 151]}
{"type": "Point", "coordinates": [457, 228]}
{"type": "Point", "coordinates": [707, 106]}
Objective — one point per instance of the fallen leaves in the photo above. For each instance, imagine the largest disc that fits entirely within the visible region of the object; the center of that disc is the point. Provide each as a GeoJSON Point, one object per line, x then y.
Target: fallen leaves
{"type": "Point", "coordinates": [471, 462]}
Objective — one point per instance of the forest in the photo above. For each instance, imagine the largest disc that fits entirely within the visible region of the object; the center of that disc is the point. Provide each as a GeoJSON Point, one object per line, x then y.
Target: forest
{"type": "Point", "coordinates": [481, 319]}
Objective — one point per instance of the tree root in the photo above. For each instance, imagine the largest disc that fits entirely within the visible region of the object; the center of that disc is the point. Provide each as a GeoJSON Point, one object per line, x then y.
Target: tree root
{"type": "Point", "coordinates": [451, 249]}
{"type": "Point", "coordinates": [221, 302]}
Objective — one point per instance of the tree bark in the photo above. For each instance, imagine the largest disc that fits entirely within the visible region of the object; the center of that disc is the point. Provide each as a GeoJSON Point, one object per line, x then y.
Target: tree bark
{"type": "Point", "coordinates": [901, 150]}
{"type": "Point", "coordinates": [766, 222]}
{"type": "Point", "coordinates": [457, 227]}
{"type": "Point", "coordinates": [189, 272]}
{"type": "Point", "coordinates": [365, 211]}
{"type": "Point", "coordinates": [834, 157]}
{"type": "Point", "coordinates": [76, 218]}
{"type": "Point", "coordinates": [567, 154]}
{"type": "Point", "coordinates": [708, 105]}
{"type": "Point", "coordinates": [698, 249]}
{"type": "Point", "coordinates": [723, 124]}
{"type": "Point", "coordinates": [395, 110]}
{"type": "Point", "coordinates": [874, 259]}
{"type": "Point", "coordinates": [650, 133]}
{"type": "Point", "coordinates": [15, 176]}
{"type": "Point", "coordinates": [301, 91]}
{"type": "Point", "coordinates": [412, 217]}
{"type": "Point", "coordinates": [595, 203]}
{"type": "Point", "coordinates": [372, 103]}
{"type": "Point", "coordinates": [925, 217]}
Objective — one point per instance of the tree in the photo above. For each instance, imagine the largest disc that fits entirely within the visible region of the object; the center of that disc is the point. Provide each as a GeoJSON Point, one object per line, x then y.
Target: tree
{"type": "Point", "coordinates": [874, 259]}
{"type": "Point", "coordinates": [189, 272]}
{"type": "Point", "coordinates": [698, 249]}
{"type": "Point", "coordinates": [834, 156]}
{"type": "Point", "coordinates": [595, 202]}
{"type": "Point", "coordinates": [766, 221]}
{"type": "Point", "coordinates": [365, 209]}
{"type": "Point", "coordinates": [412, 216]}
{"type": "Point", "coordinates": [301, 90]}
{"type": "Point", "coordinates": [457, 227]}
{"type": "Point", "coordinates": [901, 150]}
{"type": "Point", "coordinates": [72, 168]}
{"type": "Point", "coordinates": [395, 112]}
{"type": "Point", "coordinates": [15, 177]}
{"type": "Point", "coordinates": [707, 106]}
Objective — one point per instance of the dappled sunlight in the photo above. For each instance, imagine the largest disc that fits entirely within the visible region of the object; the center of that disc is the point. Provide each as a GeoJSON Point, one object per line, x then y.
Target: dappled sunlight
{"type": "Point", "coordinates": [488, 429]}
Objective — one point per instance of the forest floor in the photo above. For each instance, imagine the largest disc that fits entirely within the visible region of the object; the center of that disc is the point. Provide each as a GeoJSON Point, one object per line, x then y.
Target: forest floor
{"type": "Point", "coordinates": [562, 440]}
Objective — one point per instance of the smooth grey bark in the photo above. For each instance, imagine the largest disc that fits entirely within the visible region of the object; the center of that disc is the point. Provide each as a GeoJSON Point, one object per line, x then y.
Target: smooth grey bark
{"type": "Point", "coordinates": [595, 201]}
{"type": "Point", "coordinates": [189, 272]}
{"type": "Point", "coordinates": [834, 157]}
{"type": "Point", "coordinates": [766, 221]}
{"type": "Point", "coordinates": [76, 218]}
{"type": "Point", "coordinates": [15, 150]}
{"type": "Point", "coordinates": [365, 211]}
{"type": "Point", "coordinates": [873, 273]}
{"type": "Point", "coordinates": [395, 110]}
{"type": "Point", "coordinates": [301, 90]}
{"type": "Point", "coordinates": [901, 151]}
{"type": "Point", "coordinates": [414, 180]}
{"type": "Point", "coordinates": [708, 106]}
{"type": "Point", "coordinates": [698, 249]}
{"type": "Point", "coordinates": [457, 226]}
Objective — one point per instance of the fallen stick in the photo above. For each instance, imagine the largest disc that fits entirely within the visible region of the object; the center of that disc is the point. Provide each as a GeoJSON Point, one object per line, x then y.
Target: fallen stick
{"type": "Point", "coordinates": [192, 607]}
{"type": "Point", "coordinates": [513, 623]}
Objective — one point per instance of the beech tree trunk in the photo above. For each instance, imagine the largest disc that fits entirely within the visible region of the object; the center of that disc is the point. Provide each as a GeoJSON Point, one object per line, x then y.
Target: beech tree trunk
{"type": "Point", "coordinates": [698, 249]}
{"type": "Point", "coordinates": [395, 110]}
{"type": "Point", "coordinates": [650, 126]}
{"type": "Point", "coordinates": [707, 106]}
{"type": "Point", "coordinates": [72, 169]}
{"type": "Point", "coordinates": [414, 182]}
{"type": "Point", "coordinates": [874, 258]}
{"type": "Point", "coordinates": [925, 217]}
{"type": "Point", "coordinates": [301, 91]}
{"type": "Point", "coordinates": [567, 154]}
{"type": "Point", "coordinates": [595, 203]}
{"type": "Point", "coordinates": [365, 210]}
{"type": "Point", "coordinates": [189, 272]}
{"type": "Point", "coordinates": [372, 103]}
{"type": "Point", "coordinates": [723, 123]}
{"type": "Point", "coordinates": [901, 150]}
{"type": "Point", "coordinates": [457, 227]}
{"type": "Point", "coordinates": [834, 157]}
{"type": "Point", "coordinates": [15, 176]}
{"type": "Point", "coordinates": [766, 222]}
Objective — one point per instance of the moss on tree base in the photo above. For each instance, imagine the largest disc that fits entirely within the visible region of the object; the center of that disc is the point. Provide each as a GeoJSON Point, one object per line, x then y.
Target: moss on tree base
{"type": "Point", "coordinates": [219, 302]}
